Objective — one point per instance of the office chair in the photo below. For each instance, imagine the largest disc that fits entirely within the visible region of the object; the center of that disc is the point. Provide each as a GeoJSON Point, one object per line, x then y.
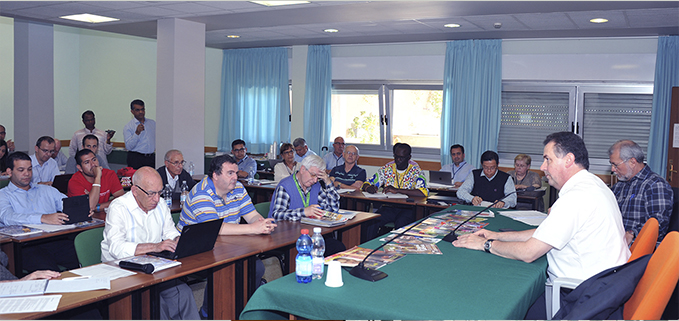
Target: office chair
{"type": "Point", "coordinates": [263, 209]}
{"type": "Point", "coordinates": [88, 246]}
{"type": "Point", "coordinates": [646, 240]}
{"type": "Point", "coordinates": [660, 278]}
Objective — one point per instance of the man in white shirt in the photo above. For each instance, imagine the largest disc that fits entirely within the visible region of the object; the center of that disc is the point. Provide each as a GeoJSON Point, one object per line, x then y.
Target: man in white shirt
{"type": "Point", "coordinates": [138, 223]}
{"type": "Point", "coordinates": [104, 138]}
{"type": "Point", "coordinates": [583, 234]}
{"type": "Point", "coordinates": [140, 137]}
{"type": "Point", "coordinates": [301, 149]}
{"type": "Point", "coordinates": [44, 166]}
{"type": "Point", "coordinates": [459, 169]}
{"type": "Point", "coordinates": [58, 156]}
{"type": "Point", "coordinates": [336, 158]}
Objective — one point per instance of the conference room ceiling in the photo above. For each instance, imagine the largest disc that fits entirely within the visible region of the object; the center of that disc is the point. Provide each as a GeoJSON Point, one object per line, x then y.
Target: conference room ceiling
{"type": "Point", "coordinates": [365, 21]}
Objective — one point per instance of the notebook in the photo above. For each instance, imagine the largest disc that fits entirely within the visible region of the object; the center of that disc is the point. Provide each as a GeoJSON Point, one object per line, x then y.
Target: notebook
{"type": "Point", "coordinates": [77, 208]}
{"type": "Point", "coordinates": [441, 177]}
{"type": "Point", "coordinates": [195, 238]}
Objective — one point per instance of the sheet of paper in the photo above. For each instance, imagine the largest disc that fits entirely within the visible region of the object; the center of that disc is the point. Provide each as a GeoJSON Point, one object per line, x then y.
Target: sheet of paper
{"type": "Point", "coordinates": [344, 190]}
{"type": "Point", "coordinates": [50, 227]}
{"type": "Point", "coordinates": [78, 285]}
{"type": "Point", "coordinates": [19, 288]}
{"type": "Point", "coordinates": [102, 269]}
{"type": "Point", "coordinates": [533, 218]}
{"type": "Point", "coordinates": [42, 303]}
{"type": "Point", "coordinates": [485, 204]}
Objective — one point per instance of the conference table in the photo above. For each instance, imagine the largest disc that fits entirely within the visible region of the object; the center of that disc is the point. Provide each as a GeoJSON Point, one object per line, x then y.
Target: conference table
{"type": "Point", "coordinates": [230, 269]}
{"type": "Point", "coordinates": [460, 284]}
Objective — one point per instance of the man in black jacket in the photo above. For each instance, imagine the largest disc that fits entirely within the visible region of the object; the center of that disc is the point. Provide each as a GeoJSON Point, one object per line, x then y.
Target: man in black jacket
{"type": "Point", "coordinates": [173, 172]}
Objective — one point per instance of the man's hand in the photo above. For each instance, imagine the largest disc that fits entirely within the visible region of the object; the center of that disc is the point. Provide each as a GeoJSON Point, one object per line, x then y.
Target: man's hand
{"type": "Point", "coordinates": [372, 189]}
{"type": "Point", "coordinates": [313, 211]}
{"type": "Point", "coordinates": [476, 200]}
{"type": "Point", "coordinates": [140, 128]}
{"type": "Point", "coordinates": [499, 204]}
{"type": "Point", "coordinates": [263, 226]}
{"type": "Point", "coordinates": [54, 218]}
{"type": "Point", "coordinates": [390, 189]}
{"type": "Point", "coordinates": [109, 135]}
{"type": "Point", "coordinates": [97, 172]}
{"type": "Point", "coordinates": [10, 145]}
{"type": "Point", "coordinates": [169, 245]}
{"type": "Point", "coordinates": [629, 237]}
{"type": "Point", "coordinates": [43, 274]}
{"type": "Point", "coordinates": [458, 184]}
{"type": "Point", "coordinates": [324, 176]}
{"type": "Point", "coordinates": [242, 174]}
{"type": "Point", "coordinates": [470, 241]}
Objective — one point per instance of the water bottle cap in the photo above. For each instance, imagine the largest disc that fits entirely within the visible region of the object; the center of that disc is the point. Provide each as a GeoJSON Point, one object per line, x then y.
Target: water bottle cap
{"type": "Point", "coordinates": [317, 230]}
{"type": "Point", "coordinates": [305, 231]}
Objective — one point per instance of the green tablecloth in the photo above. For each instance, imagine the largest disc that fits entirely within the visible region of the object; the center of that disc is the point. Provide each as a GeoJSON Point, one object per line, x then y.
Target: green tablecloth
{"type": "Point", "coordinates": [460, 284]}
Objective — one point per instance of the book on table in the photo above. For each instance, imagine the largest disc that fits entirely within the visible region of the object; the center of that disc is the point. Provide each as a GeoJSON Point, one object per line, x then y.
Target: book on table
{"type": "Point", "coordinates": [19, 230]}
{"type": "Point", "coordinates": [329, 219]}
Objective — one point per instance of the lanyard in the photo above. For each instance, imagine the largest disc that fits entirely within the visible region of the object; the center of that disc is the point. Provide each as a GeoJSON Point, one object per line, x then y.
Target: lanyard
{"type": "Point", "coordinates": [305, 198]}
{"type": "Point", "coordinates": [458, 170]}
{"type": "Point", "coordinates": [399, 180]}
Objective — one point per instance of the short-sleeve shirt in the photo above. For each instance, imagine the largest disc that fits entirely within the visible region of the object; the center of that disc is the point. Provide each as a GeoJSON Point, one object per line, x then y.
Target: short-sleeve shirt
{"type": "Point", "coordinates": [355, 174]}
{"type": "Point", "coordinates": [203, 204]}
{"type": "Point", "coordinates": [411, 178]}
{"type": "Point", "coordinates": [110, 184]}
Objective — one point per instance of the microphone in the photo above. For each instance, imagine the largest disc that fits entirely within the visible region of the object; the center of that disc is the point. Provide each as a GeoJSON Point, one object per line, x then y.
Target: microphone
{"type": "Point", "coordinates": [146, 268]}
{"type": "Point", "coordinates": [368, 274]}
{"type": "Point", "coordinates": [452, 236]}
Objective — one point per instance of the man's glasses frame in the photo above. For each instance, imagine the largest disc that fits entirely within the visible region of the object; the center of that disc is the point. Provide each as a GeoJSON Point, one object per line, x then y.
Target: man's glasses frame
{"type": "Point", "coordinates": [149, 194]}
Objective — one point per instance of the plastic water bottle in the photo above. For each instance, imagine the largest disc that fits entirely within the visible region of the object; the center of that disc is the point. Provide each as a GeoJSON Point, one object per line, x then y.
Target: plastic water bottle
{"type": "Point", "coordinates": [303, 261]}
{"type": "Point", "coordinates": [191, 167]}
{"type": "Point", "coordinates": [184, 194]}
{"type": "Point", "coordinates": [167, 195]}
{"type": "Point", "coordinates": [317, 252]}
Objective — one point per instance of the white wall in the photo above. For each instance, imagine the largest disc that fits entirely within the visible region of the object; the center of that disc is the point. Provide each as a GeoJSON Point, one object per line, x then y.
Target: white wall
{"type": "Point", "coordinates": [7, 75]}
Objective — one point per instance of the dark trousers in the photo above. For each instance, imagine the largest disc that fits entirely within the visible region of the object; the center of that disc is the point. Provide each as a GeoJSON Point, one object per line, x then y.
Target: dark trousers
{"type": "Point", "coordinates": [137, 160]}
{"type": "Point", "coordinates": [400, 216]}
{"type": "Point", "coordinates": [49, 255]}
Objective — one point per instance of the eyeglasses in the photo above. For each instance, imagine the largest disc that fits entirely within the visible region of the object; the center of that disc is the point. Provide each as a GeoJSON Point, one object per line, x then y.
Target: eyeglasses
{"type": "Point", "coordinates": [288, 152]}
{"type": "Point", "coordinates": [351, 153]}
{"type": "Point", "coordinates": [239, 150]}
{"type": "Point", "coordinates": [341, 144]}
{"type": "Point", "coordinates": [47, 151]}
{"type": "Point", "coordinates": [177, 163]}
{"type": "Point", "coordinates": [149, 194]}
{"type": "Point", "coordinates": [618, 165]}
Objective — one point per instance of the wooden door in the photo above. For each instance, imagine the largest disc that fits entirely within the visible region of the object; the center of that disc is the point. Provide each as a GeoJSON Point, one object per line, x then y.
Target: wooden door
{"type": "Point", "coordinates": [673, 148]}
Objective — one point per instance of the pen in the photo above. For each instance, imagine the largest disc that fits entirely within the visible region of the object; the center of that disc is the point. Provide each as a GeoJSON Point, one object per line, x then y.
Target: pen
{"type": "Point", "coordinates": [76, 278]}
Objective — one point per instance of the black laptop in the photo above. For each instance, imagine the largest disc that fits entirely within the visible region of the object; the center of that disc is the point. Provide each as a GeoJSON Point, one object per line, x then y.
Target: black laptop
{"type": "Point", "coordinates": [77, 208]}
{"type": "Point", "coordinates": [440, 177]}
{"type": "Point", "coordinates": [195, 238]}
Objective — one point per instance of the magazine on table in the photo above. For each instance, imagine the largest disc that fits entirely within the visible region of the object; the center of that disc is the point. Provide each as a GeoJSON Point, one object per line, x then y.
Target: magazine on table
{"type": "Point", "coordinates": [329, 219]}
{"type": "Point", "coordinates": [414, 247]}
{"type": "Point", "coordinates": [355, 255]}
{"type": "Point", "coordinates": [19, 230]}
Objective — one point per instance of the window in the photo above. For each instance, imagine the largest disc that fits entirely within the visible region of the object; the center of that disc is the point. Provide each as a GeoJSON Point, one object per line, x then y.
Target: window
{"type": "Point", "coordinates": [377, 115]}
{"type": "Point", "coordinates": [600, 113]}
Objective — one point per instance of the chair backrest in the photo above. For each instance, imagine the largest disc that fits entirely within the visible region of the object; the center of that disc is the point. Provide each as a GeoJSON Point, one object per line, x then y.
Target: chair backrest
{"type": "Point", "coordinates": [655, 288]}
{"type": "Point", "coordinates": [175, 217]}
{"type": "Point", "coordinates": [646, 240]}
{"type": "Point", "coordinates": [61, 182]}
{"type": "Point", "coordinates": [263, 208]}
{"type": "Point", "coordinates": [674, 217]}
{"type": "Point", "coordinates": [88, 246]}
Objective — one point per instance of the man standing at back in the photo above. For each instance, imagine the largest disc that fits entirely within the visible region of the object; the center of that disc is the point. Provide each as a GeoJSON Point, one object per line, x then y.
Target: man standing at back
{"type": "Point", "coordinates": [641, 193]}
{"type": "Point", "coordinates": [301, 149]}
{"type": "Point", "coordinates": [44, 166]}
{"type": "Point", "coordinates": [489, 184]}
{"type": "Point", "coordinates": [583, 234]}
{"type": "Point", "coordinates": [138, 223]}
{"type": "Point", "coordinates": [247, 167]}
{"type": "Point", "coordinates": [336, 158]}
{"type": "Point", "coordinates": [103, 138]}
{"type": "Point", "coordinates": [140, 137]}
{"type": "Point", "coordinates": [459, 169]}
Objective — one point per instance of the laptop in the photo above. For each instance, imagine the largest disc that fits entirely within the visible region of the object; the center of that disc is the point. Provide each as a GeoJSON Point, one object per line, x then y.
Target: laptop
{"type": "Point", "coordinates": [441, 177]}
{"type": "Point", "coordinates": [273, 162]}
{"type": "Point", "coordinates": [77, 208]}
{"type": "Point", "coordinates": [195, 238]}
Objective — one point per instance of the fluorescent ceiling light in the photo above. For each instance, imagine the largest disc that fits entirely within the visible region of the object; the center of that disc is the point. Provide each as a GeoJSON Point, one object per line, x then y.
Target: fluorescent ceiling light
{"type": "Point", "coordinates": [91, 18]}
{"type": "Point", "coordinates": [598, 20]}
{"type": "Point", "coordinates": [330, 30]}
{"type": "Point", "coordinates": [452, 25]}
{"type": "Point", "coordinates": [278, 3]}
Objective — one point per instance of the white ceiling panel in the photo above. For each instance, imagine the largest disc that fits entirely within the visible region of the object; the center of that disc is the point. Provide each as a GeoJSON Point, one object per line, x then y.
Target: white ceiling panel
{"type": "Point", "coordinates": [546, 21]}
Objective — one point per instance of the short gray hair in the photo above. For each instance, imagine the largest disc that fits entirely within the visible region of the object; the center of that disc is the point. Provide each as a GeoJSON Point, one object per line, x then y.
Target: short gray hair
{"type": "Point", "coordinates": [299, 142]}
{"type": "Point", "coordinates": [628, 150]}
{"type": "Point", "coordinates": [313, 161]}
{"type": "Point", "coordinates": [170, 152]}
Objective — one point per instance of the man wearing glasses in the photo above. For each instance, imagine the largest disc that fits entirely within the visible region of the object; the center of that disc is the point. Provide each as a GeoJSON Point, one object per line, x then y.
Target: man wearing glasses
{"type": "Point", "coordinates": [336, 158]}
{"type": "Point", "coordinates": [348, 175]}
{"type": "Point", "coordinates": [92, 179]}
{"type": "Point", "coordinates": [140, 137]}
{"type": "Point", "coordinates": [247, 167]}
{"type": "Point", "coordinates": [641, 193]}
{"type": "Point", "coordinates": [488, 184]}
{"type": "Point", "coordinates": [173, 172]}
{"type": "Point", "coordinates": [138, 223]}
{"type": "Point", "coordinates": [44, 166]}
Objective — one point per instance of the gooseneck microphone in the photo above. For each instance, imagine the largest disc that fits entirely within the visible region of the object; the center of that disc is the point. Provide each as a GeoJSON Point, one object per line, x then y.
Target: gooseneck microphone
{"type": "Point", "coordinates": [452, 236]}
{"type": "Point", "coordinates": [368, 274]}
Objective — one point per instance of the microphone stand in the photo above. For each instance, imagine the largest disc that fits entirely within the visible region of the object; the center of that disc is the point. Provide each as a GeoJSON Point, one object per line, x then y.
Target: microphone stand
{"type": "Point", "coordinates": [368, 274]}
{"type": "Point", "coordinates": [452, 236]}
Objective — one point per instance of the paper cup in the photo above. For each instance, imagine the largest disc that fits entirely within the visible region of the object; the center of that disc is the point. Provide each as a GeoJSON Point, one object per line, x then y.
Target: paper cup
{"type": "Point", "coordinates": [333, 278]}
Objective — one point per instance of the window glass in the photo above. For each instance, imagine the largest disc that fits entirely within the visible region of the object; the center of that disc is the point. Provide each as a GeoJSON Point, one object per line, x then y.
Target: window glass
{"type": "Point", "coordinates": [356, 116]}
{"type": "Point", "coordinates": [416, 117]}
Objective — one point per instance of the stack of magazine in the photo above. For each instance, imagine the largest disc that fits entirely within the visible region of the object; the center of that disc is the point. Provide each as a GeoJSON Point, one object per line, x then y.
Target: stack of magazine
{"type": "Point", "coordinates": [355, 255]}
{"type": "Point", "coordinates": [329, 219]}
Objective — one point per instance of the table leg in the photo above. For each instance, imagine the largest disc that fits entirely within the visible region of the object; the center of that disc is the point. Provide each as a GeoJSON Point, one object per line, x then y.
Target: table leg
{"type": "Point", "coordinates": [224, 290]}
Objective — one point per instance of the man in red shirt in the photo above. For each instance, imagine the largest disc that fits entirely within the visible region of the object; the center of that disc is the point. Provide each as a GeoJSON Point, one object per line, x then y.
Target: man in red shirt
{"type": "Point", "coordinates": [99, 183]}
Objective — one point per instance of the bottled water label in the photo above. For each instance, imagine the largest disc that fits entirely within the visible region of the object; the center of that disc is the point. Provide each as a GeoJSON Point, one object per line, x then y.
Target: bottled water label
{"type": "Point", "coordinates": [303, 266]}
{"type": "Point", "coordinates": [318, 263]}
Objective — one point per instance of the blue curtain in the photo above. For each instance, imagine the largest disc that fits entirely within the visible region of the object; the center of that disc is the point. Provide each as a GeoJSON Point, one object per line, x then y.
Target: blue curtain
{"type": "Point", "coordinates": [666, 77]}
{"type": "Point", "coordinates": [472, 98]}
{"type": "Point", "coordinates": [255, 98]}
{"type": "Point", "coordinates": [317, 98]}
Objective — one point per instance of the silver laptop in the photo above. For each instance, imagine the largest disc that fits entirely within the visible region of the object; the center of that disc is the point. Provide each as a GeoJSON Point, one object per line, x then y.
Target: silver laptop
{"type": "Point", "coordinates": [440, 177]}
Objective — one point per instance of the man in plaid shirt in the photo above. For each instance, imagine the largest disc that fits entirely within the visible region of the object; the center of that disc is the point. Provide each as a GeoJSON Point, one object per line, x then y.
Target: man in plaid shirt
{"type": "Point", "coordinates": [641, 193]}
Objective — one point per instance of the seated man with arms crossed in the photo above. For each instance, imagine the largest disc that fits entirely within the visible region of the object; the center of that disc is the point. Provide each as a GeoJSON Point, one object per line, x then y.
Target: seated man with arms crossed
{"type": "Point", "coordinates": [488, 184]}
{"type": "Point", "coordinates": [303, 195]}
{"type": "Point", "coordinates": [459, 169]}
{"type": "Point", "coordinates": [24, 202]}
{"type": "Point", "coordinates": [138, 223]}
{"type": "Point", "coordinates": [173, 173]}
{"type": "Point", "coordinates": [348, 175]}
{"type": "Point", "coordinates": [399, 176]}
{"type": "Point", "coordinates": [91, 179]}
{"type": "Point", "coordinates": [336, 158]}
{"type": "Point", "coordinates": [220, 195]}
{"type": "Point", "coordinates": [583, 234]}
{"type": "Point", "coordinates": [247, 167]}
{"type": "Point", "coordinates": [641, 193]}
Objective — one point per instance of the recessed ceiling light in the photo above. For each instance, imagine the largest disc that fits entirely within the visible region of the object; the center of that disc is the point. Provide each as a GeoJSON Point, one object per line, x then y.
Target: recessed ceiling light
{"type": "Point", "coordinates": [330, 30]}
{"type": "Point", "coordinates": [91, 18]}
{"type": "Point", "coordinates": [452, 25]}
{"type": "Point", "coordinates": [278, 3]}
{"type": "Point", "coordinates": [598, 20]}
{"type": "Point", "coordinates": [233, 36]}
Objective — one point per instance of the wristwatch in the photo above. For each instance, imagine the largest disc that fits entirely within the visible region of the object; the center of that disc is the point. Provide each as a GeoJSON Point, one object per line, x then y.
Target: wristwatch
{"type": "Point", "coordinates": [487, 245]}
